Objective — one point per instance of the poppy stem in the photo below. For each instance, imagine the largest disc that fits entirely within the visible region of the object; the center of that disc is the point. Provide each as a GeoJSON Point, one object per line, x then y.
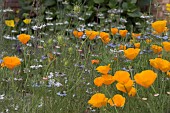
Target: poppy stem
{"type": "Point", "coordinates": [153, 89]}
{"type": "Point", "coordinates": [116, 109]}
{"type": "Point", "coordinates": [83, 43]}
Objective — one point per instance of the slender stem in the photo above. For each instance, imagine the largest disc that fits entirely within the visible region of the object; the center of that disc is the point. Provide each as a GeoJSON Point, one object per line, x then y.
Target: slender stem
{"type": "Point", "coordinates": [153, 89]}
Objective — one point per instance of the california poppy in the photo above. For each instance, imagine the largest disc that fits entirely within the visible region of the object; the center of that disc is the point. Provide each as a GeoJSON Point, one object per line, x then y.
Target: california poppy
{"type": "Point", "coordinates": [166, 46]}
{"type": "Point", "coordinates": [95, 61]}
{"type": "Point", "coordinates": [136, 35]}
{"type": "Point", "coordinates": [156, 49]}
{"type": "Point", "coordinates": [105, 37]}
{"type": "Point", "coordinates": [77, 34]}
{"type": "Point", "coordinates": [117, 100]}
{"type": "Point", "coordinates": [122, 76]}
{"type": "Point", "coordinates": [123, 33]}
{"type": "Point", "coordinates": [126, 87]}
{"type": "Point", "coordinates": [145, 78]}
{"type": "Point", "coordinates": [103, 69]}
{"type": "Point", "coordinates": [131, 53]}
{"type": "Point", "coordinates": [91, 34]}
{"type": "Point", "coordinates": [132, 92]}
{"type": "Point", "coordinates": [24, 38]}
{"type": "Point", "coordinates": [137, 45]}
{"type": "Point", "coordinates": [114, 30]}
{"type": "Point", "coordinates": [11, 62]}
{"type": "Point", "coordinates": [161, 64]}
{"type": "Point", "coordinates": [104, 79]}
{"type": "Point", "coordinates": [98, 100]}
{"type": "Point", "coordinates": [108, 79]}
{"type": "Point", "coordinates": [159, 26]}
{"type": "Point", "coordinates": [122, 47]}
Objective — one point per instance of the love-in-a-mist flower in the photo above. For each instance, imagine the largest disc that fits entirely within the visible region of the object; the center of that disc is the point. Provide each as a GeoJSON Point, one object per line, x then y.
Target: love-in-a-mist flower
{"type": "Point", "coordinates": [114, 30]}
{"type": "Point", "coordinates": [131, 53]}
{"type": "Point", "coordinates": [78, 34]}
{"type": "Point", "coordinates": [10, 23]}
{"type": "Point", "coordinates": [117, 100]}
{"type": "Point", "coordinates": [123, 33]}
{"type": "Point", "coordinates": [166, 46]}
{"type": "Point", "coordinates": [105, 37]}
{"type": "Point", "coordinates": [103, 69]}
{"type": "Point", "coordinates": [27, 21]}
{"type": "Point", "coordinates": [24, 38]}
{"type": "Point", "coordinates": [98, 100]}
{"type": "Point", "coordinates": [11, 62]}
{"type": "Point", "coordinates": [159, 26]}
{"type": "Point", "coordinates": [145, 78]}
{"type": "Point", "coordinates": [91, 34]}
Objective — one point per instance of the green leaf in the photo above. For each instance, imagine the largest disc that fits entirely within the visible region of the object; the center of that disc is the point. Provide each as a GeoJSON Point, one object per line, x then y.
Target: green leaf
{"type": "Point", "coordinates": [49, 3]}
{"type": "Point", "coordinates": [125, 6]}
{"type": "Point", "coordinates": [112, 3]}
{"type": "Point", "coordinates": [133, 1]}
{"type": "Point", "coordinates": [135, 14]}
{"type": "Point", "coordinates": [98, 1]}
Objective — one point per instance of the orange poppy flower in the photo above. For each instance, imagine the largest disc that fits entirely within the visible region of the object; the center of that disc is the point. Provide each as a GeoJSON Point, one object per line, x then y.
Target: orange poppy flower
{"type": "Point", "coordinates": [137, 45]}
{"type": "Point", "coordinates": [156, 49]}
{"type": "Point", "coordinates": [105, 37]}
{"type": "Point", "coordinates": [108, 79]}
{"type": "Point", "coordinates": [91, 34]}
{"type": "Point", "coordinates": [11, 62]}
{"type": "Point", "coordinates": [123, 33]}
{"type": "Point", "coordinates": [24, 38]}
{"type": "Point", "coordinates": [131, 53]}
{"type": "Point", "coordinates": [154, 63]}
{"type": "Point", "coordinates": [166, 46]}
{"type": "Point", "coordinates": [168, 73]}
{"type": "Point", "coordinates": [159, 26]}
{"type": "Point", "coordinates": [117, 100]}
{"type": "Point", "coordinates": [98, 81]}
{"type": "Point", "coordinates": [104, 79]}
{"type": "Point", "coordinates": [148, 41]}
{"type": "Point", "coordinates": [77, 34]}
{"type": "Point", "coordinates": [161, 64]}
{"type": "Point", "coordinates": [122, 76]}
{"type": "Point", "coordinates": [136, 35]}
{"type": "Point", "coordinates": [114, 30]}
{"type": "Point", "coordinates": [145, 78]}
{"type": "Point", "coordinates": [122, 47]}
{"type": "Point", "coordinates": [125, 87]}
{"type": "Point", "coordinates": [103, 69]}
{"type": "Point", "coordinates": [132, 92]}
{"type": "Point", "coordinates": [95, 61]}
{"type": "Point", "coordinates": [98, 100]}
